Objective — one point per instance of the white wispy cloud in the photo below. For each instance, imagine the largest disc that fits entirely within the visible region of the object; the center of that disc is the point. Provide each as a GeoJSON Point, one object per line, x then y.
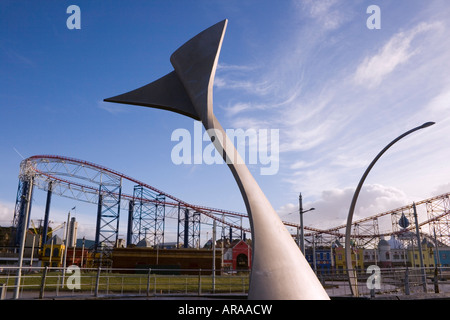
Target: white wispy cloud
{"type": "Point", "coordinates": [328, 13]}
{"type": "Point", "coordinates": [440, 104]}
{"type": "Point", "coordinates": [238, 108]}
{"type": "Point", "coordinates": [397, 51]}
{"type": "Point", "coordinates": [331, 208]}
{"type": "Point", "coordinates": [302, 164]}
{"type": "Point", "coordinates": [338, 103]}
{"type": "Point", "coordinates": [6, 213]}
{"type": "Point", "coordinates": [16, 57]}
{"type": "Point", "coordinates": [113, 108]}
{"type": "Point", "coordinates": [222, 66]}
{"type": "Point", "coordinates": [230, 79]}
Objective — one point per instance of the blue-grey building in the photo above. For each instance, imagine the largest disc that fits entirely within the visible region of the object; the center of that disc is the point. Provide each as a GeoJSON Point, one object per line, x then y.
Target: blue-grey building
{"type": "Point", "coordinates": [444, 256]}
{"type": "Point", "coordinates": [323, 262]}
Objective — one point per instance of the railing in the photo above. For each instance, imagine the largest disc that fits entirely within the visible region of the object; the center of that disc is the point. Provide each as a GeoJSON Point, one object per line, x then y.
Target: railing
{"type": "Point", "coordinates": [42, 283]}
{"type": "Point", "coordinates": [88, 283]}
{"type": "Point", "coordinates": [374, 281]}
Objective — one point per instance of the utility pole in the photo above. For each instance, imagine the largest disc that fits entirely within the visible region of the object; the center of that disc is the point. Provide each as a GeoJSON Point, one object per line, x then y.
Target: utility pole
{"type": "Point", "coordinates": [214, 257]}
{"type": "Point", "coordinates": [302, 236]}
{"type": "Point", "coordinates": [65, 249]}
{"type": "Point", "coordinates": [302, 231]}
{"type": "Point", "coordinates": [419, 244]}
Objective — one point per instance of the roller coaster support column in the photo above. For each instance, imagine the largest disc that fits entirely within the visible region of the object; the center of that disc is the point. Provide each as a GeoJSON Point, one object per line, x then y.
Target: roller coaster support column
{"type": "Point", "coordinates": [186, 228]}
{"type": "Point", "coordinates": [23, 235]}
{"type": "Point", "coordinates": [108, 213]}
{"type": "Point", "coordinates": [130, 222]}
{"type": "Point", "coordinates": [178, 225]}
{"type": "Point", "coordinates": [47, 213]}
{"type": "Point", "coordinates": [24, 192]}
{"type": "Point", "coordinates": [99, 218]}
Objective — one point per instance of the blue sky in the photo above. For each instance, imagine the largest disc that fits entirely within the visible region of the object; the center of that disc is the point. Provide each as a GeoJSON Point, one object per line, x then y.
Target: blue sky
{"type": "Point", "coordinates": [337, 92]}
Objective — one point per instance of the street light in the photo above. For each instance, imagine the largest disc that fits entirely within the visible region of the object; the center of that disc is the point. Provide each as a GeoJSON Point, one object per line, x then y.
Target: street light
{"type": "Point", "coordinates": [348, 261]}
{"type": "Point", "coordinates": [301, 212]}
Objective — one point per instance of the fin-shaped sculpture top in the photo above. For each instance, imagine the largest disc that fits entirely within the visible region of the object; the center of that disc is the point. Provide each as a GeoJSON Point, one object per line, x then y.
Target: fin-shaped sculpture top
{"type": "Point", "coordinates": [279, 269]}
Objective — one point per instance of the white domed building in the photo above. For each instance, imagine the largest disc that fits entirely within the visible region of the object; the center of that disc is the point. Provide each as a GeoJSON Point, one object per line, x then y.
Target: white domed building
{"type": "Point", "coordinates": [384, 253]}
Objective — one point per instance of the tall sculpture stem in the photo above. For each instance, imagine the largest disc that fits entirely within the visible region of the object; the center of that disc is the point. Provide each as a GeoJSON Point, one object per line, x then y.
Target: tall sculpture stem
{"type": "Point", "coordinates": [279, 269]}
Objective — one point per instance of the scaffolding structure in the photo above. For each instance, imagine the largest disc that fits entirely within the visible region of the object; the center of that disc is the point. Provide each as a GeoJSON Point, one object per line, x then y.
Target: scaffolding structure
{"type": "Point", "coordinates": [147, 217]}
{"type": "Point", "coordinates": [149, 210]}
{"type": "Point", "coordinates": [437, 211]}
{"type": "Point", "coordinates": [108, 214]}
{"type": "Point", "coordinates": [189, 226]}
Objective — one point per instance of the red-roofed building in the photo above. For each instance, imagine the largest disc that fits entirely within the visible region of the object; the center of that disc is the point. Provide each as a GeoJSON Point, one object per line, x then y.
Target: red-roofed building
{"type": "Point", "coordinates": [238, 256]}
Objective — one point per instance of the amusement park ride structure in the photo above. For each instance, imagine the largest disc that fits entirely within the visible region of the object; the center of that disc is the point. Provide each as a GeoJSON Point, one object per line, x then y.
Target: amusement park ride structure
{"type": "Point", "coordinates": [148, 208]}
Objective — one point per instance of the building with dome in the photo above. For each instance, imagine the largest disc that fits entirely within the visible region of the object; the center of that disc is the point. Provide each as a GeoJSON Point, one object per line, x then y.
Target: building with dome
{"type": "Point", "coordinates": [392, 253]}
{"type": "Point", "coordinates": [384, 254]}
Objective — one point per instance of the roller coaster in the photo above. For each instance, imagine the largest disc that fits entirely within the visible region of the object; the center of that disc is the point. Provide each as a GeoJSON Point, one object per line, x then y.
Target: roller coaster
{"type": "Point", "coordinates": [148, 209]}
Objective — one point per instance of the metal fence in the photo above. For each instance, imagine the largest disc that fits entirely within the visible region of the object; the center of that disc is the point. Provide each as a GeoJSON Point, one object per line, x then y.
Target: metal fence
{"type": "Point", "coordinates": [76, 283]}
{"type": "Point", "coordinates": [374, 281]}
{"type": "Point", "coordinates": [73, 282]}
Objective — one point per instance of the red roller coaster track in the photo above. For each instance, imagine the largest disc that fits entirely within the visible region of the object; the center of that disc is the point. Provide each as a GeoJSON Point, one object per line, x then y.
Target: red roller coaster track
{"type": "Point", "coordinates": [54, 168]}
{"type": "Point", "coordinates": [63, 170]}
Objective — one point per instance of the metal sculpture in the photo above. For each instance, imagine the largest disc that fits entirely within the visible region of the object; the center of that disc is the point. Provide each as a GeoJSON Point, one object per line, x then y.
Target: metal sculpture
{"type": "Point", "coordinates": [352, 277]}
{"type": "Point", "coordinates": [279, 269]}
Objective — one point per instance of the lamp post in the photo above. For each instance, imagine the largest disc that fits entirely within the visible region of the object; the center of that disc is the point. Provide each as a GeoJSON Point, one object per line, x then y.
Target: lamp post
{"type": "Point", "coordinates": [348, 261]}
{"type": "Point", "coordinates": [66, 244]}
{"type": "Point", "coordinates": [302, 232]}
